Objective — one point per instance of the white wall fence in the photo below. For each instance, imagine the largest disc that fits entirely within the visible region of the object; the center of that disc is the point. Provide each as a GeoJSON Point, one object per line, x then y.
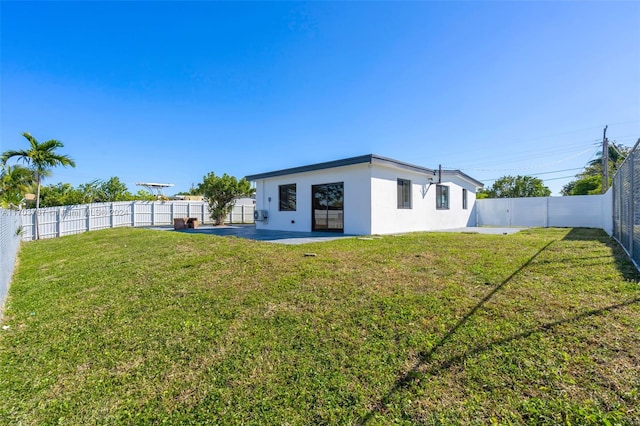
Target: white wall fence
{"type": "Point", "coordinates": [9, 246]}
{"type": "Point", "coordinates": [67, 220]}
{"type": "Point", "coordinates": [585, 211]}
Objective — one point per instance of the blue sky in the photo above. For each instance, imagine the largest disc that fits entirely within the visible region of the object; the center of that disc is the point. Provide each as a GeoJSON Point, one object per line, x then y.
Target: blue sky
{"type": "Point", "coordinates": [169, 91]}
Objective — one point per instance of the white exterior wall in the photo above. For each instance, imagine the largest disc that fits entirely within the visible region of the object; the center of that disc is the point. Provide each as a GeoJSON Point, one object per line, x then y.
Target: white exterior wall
{"type": "Point", "coordinates": [370, 200]}
{"type": "Point", "coordinates": [357, 199]}
{"type": "Point", "coordinates": [387, 218]}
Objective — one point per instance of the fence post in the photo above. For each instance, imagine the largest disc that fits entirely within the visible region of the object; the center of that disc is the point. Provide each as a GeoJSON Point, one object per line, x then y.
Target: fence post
{"type": "Point", "coordinates": [546, 216]}
{"type": "Point", "coordinates": [31, 220]}
{"type": "Point", "coordinates": [153, 213]}
{"type": "Point", "coordinates": [242, 214]}
{"type": "Point", "coordinates": [203, 212]}
{"type": "Point", "coordinates": [59, 222]}
{"type": "Point", "coordinates": [88, 217]}
{"type": "Point", "coordinates": [111, 216]}
{"type": "Point", "coordinates": [133, 214]}
{"type": "Point", "coordinates": [633, 197]}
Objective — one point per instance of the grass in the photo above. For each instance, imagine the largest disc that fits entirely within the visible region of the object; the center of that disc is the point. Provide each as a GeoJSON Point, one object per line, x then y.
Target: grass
{"type": "Point", "coordinates": [131, 326]}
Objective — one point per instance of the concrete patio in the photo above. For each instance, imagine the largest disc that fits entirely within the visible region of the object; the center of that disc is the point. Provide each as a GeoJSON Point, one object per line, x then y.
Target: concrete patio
{"type": "Point", "coordinates": [251, 233]}
{"type": "Point", "coordinates": [293, 237]}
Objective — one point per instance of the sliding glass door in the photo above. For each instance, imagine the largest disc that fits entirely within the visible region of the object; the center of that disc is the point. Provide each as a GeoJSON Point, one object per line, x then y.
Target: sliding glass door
{"type": "Point", "coordinates": [327, 207]}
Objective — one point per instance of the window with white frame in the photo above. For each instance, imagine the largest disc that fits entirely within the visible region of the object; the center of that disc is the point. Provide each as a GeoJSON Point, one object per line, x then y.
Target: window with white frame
{"type": "Point", "coordinates": [404, 194]}
{"type": "Point", "coordinates": [442, 197]}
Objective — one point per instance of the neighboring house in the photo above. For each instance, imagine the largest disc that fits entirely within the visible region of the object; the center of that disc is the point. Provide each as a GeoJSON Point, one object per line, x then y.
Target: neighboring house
{"type": "Point", "coordinates": [245, 201]}
{"type": "Point", "coordinates": [364, 195]}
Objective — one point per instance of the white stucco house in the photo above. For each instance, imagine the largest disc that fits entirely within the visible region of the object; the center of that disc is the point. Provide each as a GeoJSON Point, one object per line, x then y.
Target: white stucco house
{"type": "Point", "coordinates": [364, 195]}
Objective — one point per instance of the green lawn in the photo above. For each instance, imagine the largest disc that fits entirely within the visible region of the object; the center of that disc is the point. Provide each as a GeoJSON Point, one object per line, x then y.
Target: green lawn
{"type": "Point", "coordinates": [132, 326]}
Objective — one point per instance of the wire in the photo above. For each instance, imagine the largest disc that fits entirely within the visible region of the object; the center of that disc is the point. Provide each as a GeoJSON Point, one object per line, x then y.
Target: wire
{"type": "Point", "coordinates": [563, 177]}
{"type": "Point", "coordinates": [545, 180]}
{"type": "Point", "coordinates": [545, 173]}
{"type": "Point", "coordinates": [537, 152]}
{"type": "Point", "coordinates": [537, 166]}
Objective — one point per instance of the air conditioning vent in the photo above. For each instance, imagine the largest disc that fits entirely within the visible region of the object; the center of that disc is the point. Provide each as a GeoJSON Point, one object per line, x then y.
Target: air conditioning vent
{"type": "Point", "coordinates": [260, 215]}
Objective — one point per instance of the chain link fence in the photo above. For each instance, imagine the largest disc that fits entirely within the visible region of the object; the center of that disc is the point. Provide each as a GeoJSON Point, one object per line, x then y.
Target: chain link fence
{"type": "Point", "coordinates": [10, 230]}
{"type": "Point", "coordinates": [626, 204]}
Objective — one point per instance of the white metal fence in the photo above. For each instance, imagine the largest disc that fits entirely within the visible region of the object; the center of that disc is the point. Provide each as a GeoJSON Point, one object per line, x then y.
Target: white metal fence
{"type": "Point", "coordinates": [9, 246]}
{"type": "Point", "coordinates": [626, 204]}
{"type": "Point", "coordinates": [67, 220]}
{"type": "Point", "coordinates": [586, 211]}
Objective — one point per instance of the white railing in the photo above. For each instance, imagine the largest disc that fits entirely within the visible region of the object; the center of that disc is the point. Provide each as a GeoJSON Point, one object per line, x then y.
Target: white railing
{"type": "Point", "coordinates": [67, 220]}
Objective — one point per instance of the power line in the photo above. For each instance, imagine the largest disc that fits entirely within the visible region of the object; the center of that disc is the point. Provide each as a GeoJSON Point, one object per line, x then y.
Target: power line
{"type": "Point", "coordinates": [537, 166]}
{"type": "Point", "coordinates": [558, 171]}
{"type": "Point", "coordinates": [563, 177]}
{"type": "Point", "coordinates": [545, 173]}
{"type": "Point", "coordinates": [545, 180]}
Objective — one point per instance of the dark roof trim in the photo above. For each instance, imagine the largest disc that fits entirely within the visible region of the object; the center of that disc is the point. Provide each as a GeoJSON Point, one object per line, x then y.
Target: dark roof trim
{"type": "Point", "coordinates": [312, 167]}
{"type": "Point", "coordinates": [370, 158]}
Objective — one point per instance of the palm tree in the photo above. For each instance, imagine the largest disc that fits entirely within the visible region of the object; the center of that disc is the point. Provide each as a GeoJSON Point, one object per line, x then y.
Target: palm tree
{"type": "Point", "coordinates": [14, 183]}
{"type": "Point", "coordinates": [41, 157]}
{"type": "Point", "coordinates": [617, 155]}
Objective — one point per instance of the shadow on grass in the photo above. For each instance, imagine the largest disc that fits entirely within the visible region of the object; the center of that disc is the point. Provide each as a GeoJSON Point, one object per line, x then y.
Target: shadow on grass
{"type": "Point", "coordinates": [623, 263]}
{"type": "Point", "coordinates": [425, 358]}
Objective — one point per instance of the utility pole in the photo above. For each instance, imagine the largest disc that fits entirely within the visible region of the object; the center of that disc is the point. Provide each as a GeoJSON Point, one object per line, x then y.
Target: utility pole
{"type": "Point", "coordinates": [605, 161]}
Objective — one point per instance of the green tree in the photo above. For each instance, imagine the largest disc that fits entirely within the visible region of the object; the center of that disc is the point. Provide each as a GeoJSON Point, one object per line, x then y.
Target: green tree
{"type": "Point", "coordinates": [589, 181]}
{"type": "Point", "coordinates": [61, 194]}
{"type": "Point", "coordinates": [143, 195]}
{"type": "Point", "coordinates": [96, 191]}
{"type": "Point", "coordinates": [15, 181]}
{"type": "Point", "coordinates": [514, 187]}
{"type": "Point", "coordinates": [221, 192]}
{"type": "Point", "coordinates": [114, 190]}
{"type": "Point", "coordinates": [617, 154]}
{"type": "Point", "coordinates": [589, 185]}
{"type": "Point", "coordinates": [41, 158]}
{"type": "Point", "coordinates": [91, 191]}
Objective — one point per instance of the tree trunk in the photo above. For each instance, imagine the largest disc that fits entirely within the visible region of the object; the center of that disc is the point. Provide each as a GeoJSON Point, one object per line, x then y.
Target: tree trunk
{"type": "Point", "coordinates": [220, 219]}
{"type": "Point", "coordinates": [37, 208]}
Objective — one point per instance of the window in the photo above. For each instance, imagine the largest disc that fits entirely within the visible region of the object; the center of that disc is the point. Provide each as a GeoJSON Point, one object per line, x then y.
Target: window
{"type": "Point", "coordinates": [404, 194]}
{"type": "Point", "coordinates": [464, 198]}
{"type": "Point", "coordinates": [287, 197]}
{"type": "Point", "coordinates": [442, 197]}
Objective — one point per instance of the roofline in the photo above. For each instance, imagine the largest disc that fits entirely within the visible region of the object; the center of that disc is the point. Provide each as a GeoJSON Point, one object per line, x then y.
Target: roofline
{"type": "Point", "coordinates": [369, 158]}
{"type": "Point", "coordinates": [312, 167]}
{"type": "Point", "coordinates": [464, 176]}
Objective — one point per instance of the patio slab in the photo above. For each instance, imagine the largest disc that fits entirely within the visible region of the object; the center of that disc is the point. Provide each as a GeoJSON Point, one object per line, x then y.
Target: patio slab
{"type": "Point", "coordinates": [281, 237]}
{"type": "Point", "coordinates": [294, 237]}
